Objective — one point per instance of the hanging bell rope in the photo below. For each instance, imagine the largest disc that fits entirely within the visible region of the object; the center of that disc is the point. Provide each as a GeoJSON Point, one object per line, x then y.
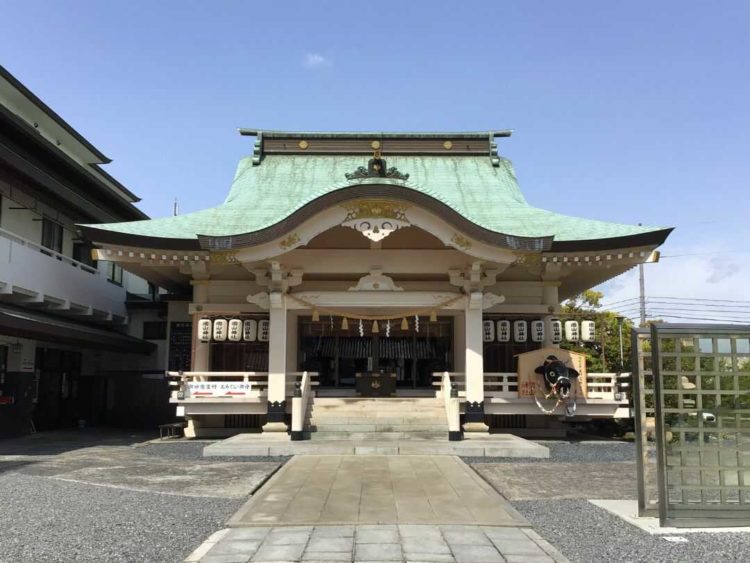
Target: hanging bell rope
{"type": "Point", "coordinates": [431, 311]}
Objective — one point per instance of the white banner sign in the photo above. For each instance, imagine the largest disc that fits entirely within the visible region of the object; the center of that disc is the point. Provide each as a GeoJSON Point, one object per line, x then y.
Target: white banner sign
{"type": "Point", "coordinates": [214, 389]}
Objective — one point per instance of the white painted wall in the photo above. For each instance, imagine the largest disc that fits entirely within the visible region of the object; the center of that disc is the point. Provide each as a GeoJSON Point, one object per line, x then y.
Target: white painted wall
{"type": "Point", "coordinates": [23, 359]}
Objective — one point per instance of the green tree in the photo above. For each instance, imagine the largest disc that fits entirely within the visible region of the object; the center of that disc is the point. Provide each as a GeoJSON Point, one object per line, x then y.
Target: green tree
{"type": "Point", "coordinates": [603, 355]}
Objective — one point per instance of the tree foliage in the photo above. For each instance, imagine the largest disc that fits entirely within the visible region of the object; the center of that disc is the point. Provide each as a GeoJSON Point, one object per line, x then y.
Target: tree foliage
{"type": "Point", "coordinates": [603, 355]}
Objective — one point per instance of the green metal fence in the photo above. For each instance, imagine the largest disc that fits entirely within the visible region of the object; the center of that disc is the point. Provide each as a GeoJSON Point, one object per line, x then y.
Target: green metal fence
{"type": "Point", "coordinates": [696, 378]}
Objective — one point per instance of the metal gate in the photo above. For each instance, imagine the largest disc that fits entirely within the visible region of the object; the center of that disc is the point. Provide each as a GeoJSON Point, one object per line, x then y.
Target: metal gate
{"type": "Point", "coordinates": [696, 381]}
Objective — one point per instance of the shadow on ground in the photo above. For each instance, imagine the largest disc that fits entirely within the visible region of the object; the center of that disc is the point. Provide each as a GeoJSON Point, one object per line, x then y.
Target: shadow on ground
{"type": "Point", "coordinates": [61, 441]}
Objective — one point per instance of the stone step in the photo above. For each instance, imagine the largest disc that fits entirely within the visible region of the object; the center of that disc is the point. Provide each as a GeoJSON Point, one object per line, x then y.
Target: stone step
{"type": "Point", "coordinates": [376, 436]}
{"type": "Point", "coordinates": [377, 420]}
{"type": "Point", "coordinates": [378, 404]}
{"type": "Point", "coordinates": [379, 427]}
{"type": "Point", "coordinates": [414, 409]}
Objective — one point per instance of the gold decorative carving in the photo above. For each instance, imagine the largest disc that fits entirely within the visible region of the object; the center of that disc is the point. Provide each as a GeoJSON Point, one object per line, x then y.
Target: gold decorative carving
{"type": "Point", "coordinates": [528, 258]}
{"type": "Point", "coordinates": [375, 218]}
{"type": "Point", "coordinates": [375, 209]}
{"type": "Point", "coordinates": [461, 241]}
{"type": "Point", "coordinates": [375, 145]}
{"type": "Point", "coordinates": [224, 257]}
{"type": "Point", "coordinates": [447, 145]}
{"type": "Point", "coordinates": [303, 144]}
{"type": "Point", "coordinates": [289, 241]}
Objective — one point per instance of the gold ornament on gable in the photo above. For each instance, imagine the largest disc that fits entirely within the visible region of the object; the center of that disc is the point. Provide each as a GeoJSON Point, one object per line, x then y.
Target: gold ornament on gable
{"type": "Point", "coordinates": [461, 241]}
{"type": "Point", "coordinates": [289, 241]}
{"type": "Point", "coordinates": [224, 257]}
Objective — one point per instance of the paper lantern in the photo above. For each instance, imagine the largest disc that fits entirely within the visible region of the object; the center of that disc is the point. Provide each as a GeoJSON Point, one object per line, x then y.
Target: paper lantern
{"type": "Point", "coordinates": [344, 324]}
{"type": "Point", "coordinates": [503, 331]}
{"type": "Point", "coordinates": [489, 330]}
{"type": "Point", "coordinates": [375, 327]}
{"type": "Point", "coordinates": [315, 316]}
{"type": "Point", "coordinates": [588, 331]}
{"type": "Point", "coordinates": [204, 330]}
{"type": "Point", "coordinates": [235, 330]}
{"type": "Point", "coordinates": [572, 333]}
{"type": "Point", "coordinates": [557, 331]}
{"type": "Point", "coordinates": [404, 324]}
{"type": "Point", "coordinates": [537, 331]}
{"type": "Point", "coordinates": [433, 316]}
{"type": "Point", "coordinates": [520, 330]}
{"type": "Point", "coordinates": [250, 330]}
{"type": "Point", "coordinates": [220, 330]}
{"type": "Point", "coordinates": [263, 326]}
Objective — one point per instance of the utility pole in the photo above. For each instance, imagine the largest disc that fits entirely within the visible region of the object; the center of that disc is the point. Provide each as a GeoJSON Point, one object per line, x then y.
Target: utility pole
{"type": "Point", "coordinates": [642, 283]}
{"type": "Point", "coordinates": [622, 355]}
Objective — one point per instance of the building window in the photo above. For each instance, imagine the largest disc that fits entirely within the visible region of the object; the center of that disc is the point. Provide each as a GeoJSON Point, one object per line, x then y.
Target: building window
{"type": "Point", "coordinates": [82, 253]}
{"type": "Point", "coordinates": [154, 330]}
{"type": "Point", "coordinates": [52, 235]}
{"type": "Point", "coordinates": [114, 273]}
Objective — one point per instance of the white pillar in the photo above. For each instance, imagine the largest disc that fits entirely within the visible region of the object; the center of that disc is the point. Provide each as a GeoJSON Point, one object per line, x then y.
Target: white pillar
{"type": "Point", "coordinates": [474, 362]}
{"type": "Point", "coordinates": [200, 350]}
{"type": "Point", "coordinates": [277, 364]}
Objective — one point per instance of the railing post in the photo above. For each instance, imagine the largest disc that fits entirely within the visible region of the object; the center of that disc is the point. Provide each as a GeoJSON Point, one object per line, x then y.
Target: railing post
{"type": "Point", "coordinates": [300, 398]}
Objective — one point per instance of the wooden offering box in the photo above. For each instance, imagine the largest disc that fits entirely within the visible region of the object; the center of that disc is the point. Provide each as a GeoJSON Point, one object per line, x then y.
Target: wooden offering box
{"type": "Point", "coordinates": [375, 384]}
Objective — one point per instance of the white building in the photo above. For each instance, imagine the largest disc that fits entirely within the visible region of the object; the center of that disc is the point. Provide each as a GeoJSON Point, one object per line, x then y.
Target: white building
{"type": "Point", "coordinates": [68, 342]}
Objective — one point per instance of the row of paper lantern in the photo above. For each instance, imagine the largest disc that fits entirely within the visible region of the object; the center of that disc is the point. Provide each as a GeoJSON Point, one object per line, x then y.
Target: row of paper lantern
{"type": "Point", "coordinates": [585, 331]}
{"type": "Point", "coordinates": [233, 330]}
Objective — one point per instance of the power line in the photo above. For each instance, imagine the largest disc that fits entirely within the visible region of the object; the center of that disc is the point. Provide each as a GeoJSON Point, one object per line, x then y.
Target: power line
{"type": "Point", "coordinates": [702, 299]}
{"type": "Point", "coordinates": [734, 321]}
{"type": "Point", "coordinates": [703, 254]}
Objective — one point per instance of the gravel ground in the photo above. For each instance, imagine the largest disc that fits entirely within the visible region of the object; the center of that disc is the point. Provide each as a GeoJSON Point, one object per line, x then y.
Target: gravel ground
{"type": "Point", "coordinates": [80, 502]}
{"type": "Point", "coordinates": [49, 520]}
{"type": "Point", "coordinates": [193, 451]}
{"type": "Point", "coordinates": [573, 451]}
{"type": "Point", "coordinates": [586, 533]}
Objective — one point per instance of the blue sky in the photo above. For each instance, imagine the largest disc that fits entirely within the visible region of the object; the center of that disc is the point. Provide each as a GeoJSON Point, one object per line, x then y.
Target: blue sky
{"type": "Point", "coordinates": [621, 111]}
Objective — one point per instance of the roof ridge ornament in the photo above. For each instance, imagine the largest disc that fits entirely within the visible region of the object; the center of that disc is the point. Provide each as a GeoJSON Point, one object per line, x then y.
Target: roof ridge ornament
{"type": "Point", "coordinates": [376, 168]}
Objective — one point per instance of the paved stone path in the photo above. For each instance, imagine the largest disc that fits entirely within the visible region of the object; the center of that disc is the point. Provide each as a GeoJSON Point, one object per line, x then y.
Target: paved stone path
{"type": "Point", "coordinates": [376, 508]}
{"type": "Point", "coordinates": [370, 543]}
{"type": "Point", "coordinates": [324, 490]}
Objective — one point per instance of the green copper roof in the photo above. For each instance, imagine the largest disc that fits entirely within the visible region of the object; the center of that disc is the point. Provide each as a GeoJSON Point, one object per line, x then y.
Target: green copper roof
{"type": "Point", "coordinates": [262, 195]}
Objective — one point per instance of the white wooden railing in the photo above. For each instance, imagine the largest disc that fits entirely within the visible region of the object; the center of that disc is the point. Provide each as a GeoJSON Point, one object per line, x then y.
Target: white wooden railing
{"type": "Point", "coordinates": [600, 386]}
{"type": "Point", "coordinates": [452, 404]}
{"type": "Point", "coordinates": [30, 267]}
{"type": "Point", "coordinates": [51, 253]}
{"type": "Point", "coordinates": [300, 401]}
{"type": "Point", "coordinates": [497, 384]}
{"type": "Point", "coordinates": [258, 380]}
{"type": "Point", "coordinates": [604, 385]}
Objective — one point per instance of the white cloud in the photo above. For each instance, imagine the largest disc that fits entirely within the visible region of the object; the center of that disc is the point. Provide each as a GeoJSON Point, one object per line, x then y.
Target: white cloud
{"type": "Point", "coordinates": [314, 61]}
{"type": "Point", "coordinates": [695, 274]}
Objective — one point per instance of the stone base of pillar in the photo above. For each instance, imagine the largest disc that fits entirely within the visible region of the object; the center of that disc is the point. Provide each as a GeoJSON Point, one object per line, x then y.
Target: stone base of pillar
{"type": "Point", "coordinates": [275, 427]}
{"type": "Point", "coordinates": [193, 428]}
{"type": "Point", "coordinates": [476, 431]}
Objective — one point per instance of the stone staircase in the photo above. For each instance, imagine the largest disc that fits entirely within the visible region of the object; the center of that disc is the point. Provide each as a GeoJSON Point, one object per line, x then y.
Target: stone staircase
{"type": "Point", "coordinates": [376, 419]}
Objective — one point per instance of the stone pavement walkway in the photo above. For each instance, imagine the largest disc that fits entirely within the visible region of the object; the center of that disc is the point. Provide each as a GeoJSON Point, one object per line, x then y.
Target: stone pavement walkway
{"type": "Point", "coordinates": [376, 508]}
{"type": "Point", "coordinates": [370, 543]}
{"type": "Point", "coordinates": [332, 489]}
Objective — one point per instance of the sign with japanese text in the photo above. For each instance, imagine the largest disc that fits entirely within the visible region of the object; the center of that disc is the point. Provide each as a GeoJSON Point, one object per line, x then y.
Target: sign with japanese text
{"type": "Point", "coordinates": [218, 389]}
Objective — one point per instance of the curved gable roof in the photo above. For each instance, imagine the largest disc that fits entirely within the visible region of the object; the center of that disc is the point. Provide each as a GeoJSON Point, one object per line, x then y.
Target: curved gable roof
{"type": "Point", "coordinates": [282, 186]}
